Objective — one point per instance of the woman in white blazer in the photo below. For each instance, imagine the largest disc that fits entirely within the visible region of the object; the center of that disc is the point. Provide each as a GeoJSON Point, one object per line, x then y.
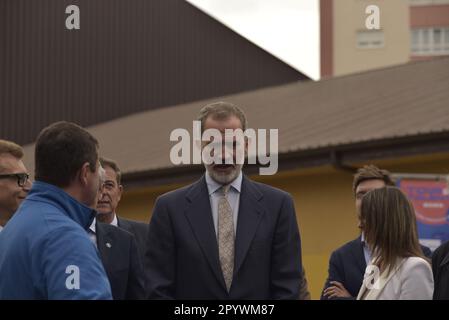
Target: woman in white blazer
{"type": "Point", "coordinates": [398, 269]}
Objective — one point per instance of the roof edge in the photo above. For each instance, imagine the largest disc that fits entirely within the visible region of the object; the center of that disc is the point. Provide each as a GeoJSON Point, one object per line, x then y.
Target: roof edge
{"type": "Point", "coordinates": [341, 157]}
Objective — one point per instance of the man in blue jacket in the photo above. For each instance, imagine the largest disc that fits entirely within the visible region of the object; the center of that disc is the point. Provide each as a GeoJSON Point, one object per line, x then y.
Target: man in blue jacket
{"type": "Point", "coordinates": [45, 251]}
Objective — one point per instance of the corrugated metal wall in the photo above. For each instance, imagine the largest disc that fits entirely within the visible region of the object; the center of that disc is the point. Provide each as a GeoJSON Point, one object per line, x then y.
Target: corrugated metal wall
{"type": "Point", "coordinates": [128, 56]}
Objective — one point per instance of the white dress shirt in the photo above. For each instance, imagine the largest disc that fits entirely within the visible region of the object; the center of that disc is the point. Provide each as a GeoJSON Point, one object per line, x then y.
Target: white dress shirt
{"type": "Point", "coordinates": [233, 198]}
{"type": "Point", "coordinates": [366, 250]}
{"type": "Point", "coordinates": [1, 228]}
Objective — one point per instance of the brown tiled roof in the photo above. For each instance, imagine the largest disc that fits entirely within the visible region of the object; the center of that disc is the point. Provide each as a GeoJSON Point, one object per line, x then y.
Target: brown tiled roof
{"type": "Point", "coordinates": [407, 100]}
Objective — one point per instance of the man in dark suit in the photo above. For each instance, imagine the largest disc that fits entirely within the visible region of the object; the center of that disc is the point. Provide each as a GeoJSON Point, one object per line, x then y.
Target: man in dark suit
{"type": "Point", "coordinates": [224, 236]}
{"type": "Point", "coordinates": [121, 260]}
{"type": "Point", "coordinates": [440, 268]}
{"type": "Point", "coordinates": [138, 229]}
{"type": "Point", "coordinates": [108, 202]}
{"type": "Point", "coordinates": [347, 264]}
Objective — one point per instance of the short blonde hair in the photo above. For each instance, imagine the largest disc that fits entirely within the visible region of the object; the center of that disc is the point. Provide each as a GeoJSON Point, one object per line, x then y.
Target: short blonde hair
{"type": "Point", "coordinates": [11, 148]}
{"type": "Point", "coordinates": [8, 147]}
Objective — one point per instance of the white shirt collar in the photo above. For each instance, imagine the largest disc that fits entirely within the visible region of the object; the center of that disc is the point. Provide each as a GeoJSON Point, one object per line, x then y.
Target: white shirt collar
{"type": "Point", "coordinates": [114, 222]}
{"type": "Point", "coordinates": [1, 228]}
{"type": "Point", "coordinates": [213, 185]}
{"type": "Point", "coordinates": [92, 226]}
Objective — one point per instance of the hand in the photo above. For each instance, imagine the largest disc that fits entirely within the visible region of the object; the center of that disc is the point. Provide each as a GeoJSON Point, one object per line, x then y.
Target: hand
{"type": "Point", "coordinates": [336, 290]}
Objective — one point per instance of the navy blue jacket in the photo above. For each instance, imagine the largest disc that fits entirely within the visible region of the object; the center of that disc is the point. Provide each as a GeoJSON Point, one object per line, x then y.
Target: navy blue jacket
{"type": "Point", "coordinates": [347, 265]}
{"type": "Point", "coordinates": [440, 268]}
{"type": "Point", "coordinates": [182, 253]}
{"type": "Point", "coordinates": [122, 262]}
{"type": "Point", "coordinates": [45, 251]}
{"type": "Point", "coordinates": [138, 229]}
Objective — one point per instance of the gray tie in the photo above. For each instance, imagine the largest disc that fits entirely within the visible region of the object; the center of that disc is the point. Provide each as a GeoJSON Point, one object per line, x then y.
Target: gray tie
{"type": "Point", "coordinates": [226, 236]}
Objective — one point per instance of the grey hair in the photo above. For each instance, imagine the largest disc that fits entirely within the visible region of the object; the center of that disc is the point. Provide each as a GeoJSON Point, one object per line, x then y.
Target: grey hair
{"type": "Point", "coordinates": [221, 110]}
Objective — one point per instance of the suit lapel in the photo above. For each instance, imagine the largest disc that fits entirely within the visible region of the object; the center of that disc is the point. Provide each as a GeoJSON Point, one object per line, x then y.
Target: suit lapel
{"type": "Point", "coordinates": [199, 215]}
{"type": "Point", "coordinates": [102, 239]}
{"type": "Point", "coordinates": [360, 256]}
{"type": "Point", "coordinates": [249, 216]}
{"type": "Point", "coordinates": [362, 291]}
{"type": "Point", "coordinates": [445, 260]}
{"type": "Point", "coordinates": [373, 294]}
{"type": "Point", "coordinates": [125, 225]}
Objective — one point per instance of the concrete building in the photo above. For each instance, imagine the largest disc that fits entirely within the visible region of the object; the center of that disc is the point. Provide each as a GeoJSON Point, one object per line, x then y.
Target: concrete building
{"type": "Point", "coordinates": [429, 23]}
{"type": "Point", "coordinates": [409, 30]}
{"type": "Point", "coordinates": [348, 46]}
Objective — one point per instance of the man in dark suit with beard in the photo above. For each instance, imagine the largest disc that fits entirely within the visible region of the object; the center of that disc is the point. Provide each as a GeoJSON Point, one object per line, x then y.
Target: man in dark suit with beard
{"type": "Point", "coordinates": [225, 236]}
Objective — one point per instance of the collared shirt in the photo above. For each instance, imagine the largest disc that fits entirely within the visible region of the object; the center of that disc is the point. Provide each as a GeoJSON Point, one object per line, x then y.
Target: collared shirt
{"type": "Point", "coordinates": [114, 221]}
{"type": "Point", "coordinates": [1, 228]}
{"type": "Point", "coordinates": [366, 250]}
{"type": "Point", "coordinates": [233, 197]}
{"type": "Point", "coordinates": [92, 230]}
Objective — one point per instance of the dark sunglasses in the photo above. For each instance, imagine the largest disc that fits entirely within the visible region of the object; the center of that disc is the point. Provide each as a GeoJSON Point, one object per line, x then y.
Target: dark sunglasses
{"type": "Point", "coordinates": [22, 178]}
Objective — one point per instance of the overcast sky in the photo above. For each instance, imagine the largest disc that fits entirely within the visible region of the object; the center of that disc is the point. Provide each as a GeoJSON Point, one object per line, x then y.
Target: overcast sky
{"type": "Point", "coordinates": [288, 29]}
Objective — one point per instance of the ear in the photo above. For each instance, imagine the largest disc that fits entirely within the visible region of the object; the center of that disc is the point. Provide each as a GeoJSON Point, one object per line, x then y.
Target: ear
{"type": "Point", "coordinates": [120, 191]}
{"type": "Point", "coordinates": [246, 146]}
{"type": "Point", "coordinates": [84, 174]}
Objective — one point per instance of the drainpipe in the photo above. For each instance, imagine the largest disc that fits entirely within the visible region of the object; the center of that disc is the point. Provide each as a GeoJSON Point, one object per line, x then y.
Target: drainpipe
{"type": "Point", "coordinates": [337, 164]}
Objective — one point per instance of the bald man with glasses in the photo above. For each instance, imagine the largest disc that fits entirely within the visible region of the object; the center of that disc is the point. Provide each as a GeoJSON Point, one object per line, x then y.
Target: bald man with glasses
{"type": "Point", "coordinates": [14, 180]}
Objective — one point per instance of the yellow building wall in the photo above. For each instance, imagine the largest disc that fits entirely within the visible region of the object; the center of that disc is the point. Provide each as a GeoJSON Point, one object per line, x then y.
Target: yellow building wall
{"type": "Point", "coordinates": [323, 201]}
{"type": "Point", "coordinates": [351, 17]}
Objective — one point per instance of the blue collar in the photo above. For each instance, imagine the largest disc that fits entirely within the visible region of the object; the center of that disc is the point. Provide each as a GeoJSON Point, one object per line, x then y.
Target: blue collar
{"type": "Point", "coordinates": [75, 210]}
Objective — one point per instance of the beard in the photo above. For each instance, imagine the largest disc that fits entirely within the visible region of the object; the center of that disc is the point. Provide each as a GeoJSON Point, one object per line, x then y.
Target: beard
{"type": "Point", "coordinates": [224, 176]}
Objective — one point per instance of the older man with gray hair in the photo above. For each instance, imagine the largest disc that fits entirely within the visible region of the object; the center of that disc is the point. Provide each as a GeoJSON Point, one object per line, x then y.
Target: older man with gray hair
{"type": "Point", "coordinates": [224, 236]}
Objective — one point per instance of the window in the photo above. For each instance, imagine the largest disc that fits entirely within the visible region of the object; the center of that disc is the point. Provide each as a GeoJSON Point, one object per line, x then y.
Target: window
{"type": "Point", "coordinates": [430, 41]}
{"type": "Point", "coordinates": [415, 40]}
{"type": "Point", "coordinates": [446, 40]}
{"type": "Point", "coordinates": [425, 37]}
{"type": "Point", "coordinates": [427, 2]}
{"type": "Point", "coordinates": [370, 39]}
{"type": "Point", "coordinates": [437, 43]}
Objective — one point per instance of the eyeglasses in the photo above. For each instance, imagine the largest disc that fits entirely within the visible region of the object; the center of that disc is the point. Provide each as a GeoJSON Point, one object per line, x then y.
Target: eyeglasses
{"type": "Point", "coordinates": [22, 178]}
